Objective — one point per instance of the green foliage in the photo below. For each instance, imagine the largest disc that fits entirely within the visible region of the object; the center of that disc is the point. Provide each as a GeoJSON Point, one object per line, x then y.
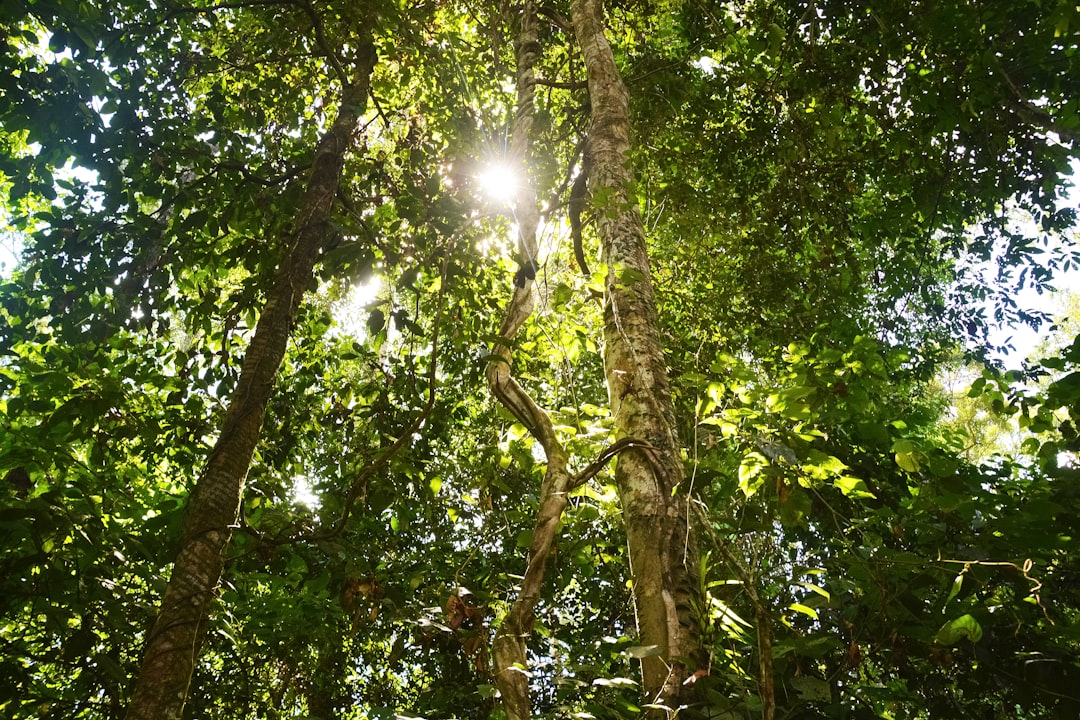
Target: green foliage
{"type": "Point", "coordinates": [820, 183]}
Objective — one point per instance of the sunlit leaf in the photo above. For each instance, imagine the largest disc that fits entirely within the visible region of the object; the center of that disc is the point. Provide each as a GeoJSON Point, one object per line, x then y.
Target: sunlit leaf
{"type": "Point", "coordinates": [800, 608]}
{"type": "Point", "coordinates": [964, 627]}
{"type": "Point", "coordinates": [750, 479]}
{"type": "Point", "coordinates": [853, 487]}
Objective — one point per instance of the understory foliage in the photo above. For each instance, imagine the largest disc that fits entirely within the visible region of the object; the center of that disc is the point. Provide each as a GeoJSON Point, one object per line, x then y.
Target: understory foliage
{"type": "Point", "coordinates": [842, 200]}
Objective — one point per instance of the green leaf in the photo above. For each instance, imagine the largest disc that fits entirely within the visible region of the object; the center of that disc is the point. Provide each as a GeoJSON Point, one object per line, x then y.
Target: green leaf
{"type": "Point", "coordinates": [796, 506]}
{"type": "Point", "coordinates": [853, 487]}
{"type": "Point", "coordinates": [811, 689]}
{"type": "Point", "coordinates": [958, 583]}
{"type": "Point", "coordinates": [906, 454]}
{"type": "Point", "coordinates": [562, 295]}
{"type": "Point", "coordinates": [376, 321]}
{"type": "Point", "coordinates": [750, 480]}
{"type": "Point", "coordinates": [823, 466]}
{"type": "Point", "coordinates": [908, 462]}
{"type": "Point", "coordinates": [815, 588]}
{"type": "Point", "coordinates": [964, 627]}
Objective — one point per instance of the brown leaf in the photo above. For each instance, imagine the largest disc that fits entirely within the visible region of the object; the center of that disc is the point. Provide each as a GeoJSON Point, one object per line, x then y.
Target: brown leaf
{"type": "Point", "coordinates": [456, 612]}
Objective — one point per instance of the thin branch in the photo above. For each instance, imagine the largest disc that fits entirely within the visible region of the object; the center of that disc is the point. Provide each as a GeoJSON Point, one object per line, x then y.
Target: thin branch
{"type": "Point", "coordinates": [556, 203]}
{"type": "Point", "coordinates": [1032, 113]}
{"type": "Point", "coordinates": [606, 456]}
{"type": "Point", "coordinates": [242, 168]}
{"type": "Point", "coordinates": [1024, 570]}
{"type": "Point", "coordinates": [557, 18]}
{"type": "Point", "coordinates": [379, 110]}
{"type": "Point", "coordinates": [175, 10]}
{"type": "Point", "coordinates": [766, 678]}
{"type": "Point", "coordinates": [320, 38]}
{"type": "Point", "coordinates": [559, 84]}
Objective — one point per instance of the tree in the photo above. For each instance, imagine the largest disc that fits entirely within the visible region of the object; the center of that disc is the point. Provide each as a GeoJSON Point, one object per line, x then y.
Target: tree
{"type": "Point", "coordinates": [650, 471]}
{"type": "Point", "coordinates": [212, 509]}
{"type": "Point", "coordinates": [792, 204]}
{"type": "Point", "coordinates": [650, 480]}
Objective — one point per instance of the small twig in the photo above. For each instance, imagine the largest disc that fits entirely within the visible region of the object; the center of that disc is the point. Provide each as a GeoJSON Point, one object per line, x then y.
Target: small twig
{"type": "Point", "coordinates": [556, 202]}
{"type": "Point", "coordinates": [1024, 570]}
{"type": "Point", "coordinates": [175, 10]}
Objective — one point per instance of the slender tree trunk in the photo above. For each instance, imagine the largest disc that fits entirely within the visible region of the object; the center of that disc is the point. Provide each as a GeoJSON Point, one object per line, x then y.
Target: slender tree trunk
{"type": "Point", "coordinates": [172, 647]}
{"type": "Point", "coordinates": [649, 478]}
{"type": "Point", "coordinates": [508, 647]}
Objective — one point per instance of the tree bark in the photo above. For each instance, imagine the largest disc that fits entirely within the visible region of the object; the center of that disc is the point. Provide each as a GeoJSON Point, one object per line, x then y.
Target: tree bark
{"type": "Point", "coordinates": [172, 646]}
{"type": "Point", "coordinates": [508, 646]}
{"type": "Point", "coordinates": [649, 477]}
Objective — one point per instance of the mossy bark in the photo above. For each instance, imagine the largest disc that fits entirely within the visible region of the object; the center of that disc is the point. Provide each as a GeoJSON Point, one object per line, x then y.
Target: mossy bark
{"type": "Point", "coordinates": [649, 477]}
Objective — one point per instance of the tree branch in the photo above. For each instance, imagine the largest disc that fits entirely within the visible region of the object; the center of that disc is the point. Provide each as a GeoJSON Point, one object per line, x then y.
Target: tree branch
{"type": "Point", "coordinates": [605, 457]}
{"type": "Point", "coordinates": [572, 85]}
{"type": "Point", "coordinates": [320, 39]}
{"type": "Point", "coordinates": [508, 646]}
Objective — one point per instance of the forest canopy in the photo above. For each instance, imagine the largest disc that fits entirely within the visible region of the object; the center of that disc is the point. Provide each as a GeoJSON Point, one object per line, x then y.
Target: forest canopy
{"type": "Point", "coordinates": [388, 359]}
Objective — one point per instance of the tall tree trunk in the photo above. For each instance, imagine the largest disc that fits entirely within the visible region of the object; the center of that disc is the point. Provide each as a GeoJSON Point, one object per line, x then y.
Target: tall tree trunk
{"type": "Point", "coordinates": [172, 647]}
{"type": "Point", "coordinates": [649, 478]}
{"type": "Point", "coordinates": [508, 647]}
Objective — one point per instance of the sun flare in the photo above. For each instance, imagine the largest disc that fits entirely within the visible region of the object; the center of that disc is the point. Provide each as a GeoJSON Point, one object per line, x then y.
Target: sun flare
{"type": "Point", "coordinates": [499, 182]}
